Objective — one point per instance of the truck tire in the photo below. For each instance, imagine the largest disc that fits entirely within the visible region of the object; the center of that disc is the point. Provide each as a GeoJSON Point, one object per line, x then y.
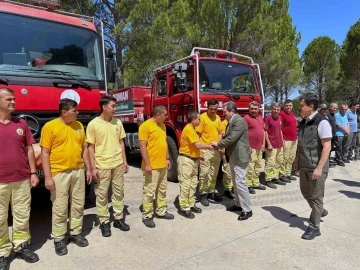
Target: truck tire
{"type": "Point", "coordinates": [173, 152]}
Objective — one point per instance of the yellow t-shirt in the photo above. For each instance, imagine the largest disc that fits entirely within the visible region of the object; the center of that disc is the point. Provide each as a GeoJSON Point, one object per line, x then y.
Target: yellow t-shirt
{"type": "Point", "coordinates": [106, 136]}
{"type": "Point", "coordinates": [155, 136]}
{"type": "Point", "coordinates": [65, 143]}
{"type": "Point", "coordinates": [188, 138]}
{"type": "Point", "coordinates": [223, 126]}
{"type": "Point", "coordinates": [209, 128]}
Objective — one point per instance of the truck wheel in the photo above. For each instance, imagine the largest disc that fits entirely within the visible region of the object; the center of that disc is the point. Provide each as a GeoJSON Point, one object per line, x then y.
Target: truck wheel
{"type": "Point", "coordinates": [173, 152]}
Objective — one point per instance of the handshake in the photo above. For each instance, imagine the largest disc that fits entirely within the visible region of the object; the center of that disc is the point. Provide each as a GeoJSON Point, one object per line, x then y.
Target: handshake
{"type": "Point", "coordinates": [214, 145]}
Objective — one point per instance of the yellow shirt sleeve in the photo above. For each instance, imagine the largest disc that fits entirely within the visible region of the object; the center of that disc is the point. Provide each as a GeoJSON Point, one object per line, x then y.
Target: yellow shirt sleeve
{"type": "Point", "coordinates": [143, 132]}
{"type": "Point", "coordinates": [193, 136]}
{"type": "Point", "coordinates": [122, 130]}
{"type": "Point", "coordinates": [200, 128]}
{"type": "Point", "coordinates": [90, 134]}
{"type": "Point", "coordinates": [46, 137]}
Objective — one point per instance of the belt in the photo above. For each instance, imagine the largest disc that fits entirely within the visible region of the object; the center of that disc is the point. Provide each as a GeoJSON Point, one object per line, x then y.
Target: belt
{"type": "Point", "coordinates": [193, 159]}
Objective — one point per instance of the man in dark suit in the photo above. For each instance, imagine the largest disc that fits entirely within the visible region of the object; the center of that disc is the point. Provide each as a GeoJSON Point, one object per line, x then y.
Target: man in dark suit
{"type": "Point", "coordinates": [237, 152]}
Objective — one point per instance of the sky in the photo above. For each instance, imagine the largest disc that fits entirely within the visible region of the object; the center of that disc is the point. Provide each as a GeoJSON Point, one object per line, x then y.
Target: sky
{"type": "Point", "coordinates": [332, 18]}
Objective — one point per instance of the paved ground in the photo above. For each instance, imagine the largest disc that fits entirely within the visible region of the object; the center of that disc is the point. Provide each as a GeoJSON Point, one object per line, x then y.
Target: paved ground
{"type": "Point", "coordinates": [215, 239]}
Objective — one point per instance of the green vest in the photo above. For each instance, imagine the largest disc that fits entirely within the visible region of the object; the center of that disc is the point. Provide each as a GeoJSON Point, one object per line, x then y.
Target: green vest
{"type": "Point", "coordinates": [309, 145]}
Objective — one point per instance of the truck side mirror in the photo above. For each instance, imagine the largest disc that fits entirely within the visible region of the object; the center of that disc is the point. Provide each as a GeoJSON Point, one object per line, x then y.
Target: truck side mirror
{"type": "Point", "coordinates": [110, 70]}
{"type": "Point", "coordinates": [109, 53]}
{"type": "Point", "coordinates": [180, 79]}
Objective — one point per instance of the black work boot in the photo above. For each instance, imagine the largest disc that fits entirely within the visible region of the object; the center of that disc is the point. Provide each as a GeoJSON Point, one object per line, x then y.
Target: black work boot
{"type": "Point", "coordinates": [79, 240]}
{"type": "Point", "coordinates": [311, 233]}
{"type": "Point", "coordinates": [196, 209]}
{"type": "Point", "coordinates": [187, 214]}
{"type": "Point", "coordinates": [149, 222]}
{"type": "Point", "coordinates": [61, 248]}
{"type": "Point", "coordinates": [105, 229]}
{"type": "Point", "coordinates": [120, 224]}
{"type": "Point", "coordinates": [4, 263]}
{"type": "Point", "coordinates": [166, 216]}
{"type": "Point", "coordinates": [214, 197]}
{"type": "Point", "coordinates": [228, 194]}
{"type": "Point", "coordinates": [204, 200]}
{"type": "Point", "coordinates": [251, 190]}
{"type": "Point", "coordinates": [26, 254]}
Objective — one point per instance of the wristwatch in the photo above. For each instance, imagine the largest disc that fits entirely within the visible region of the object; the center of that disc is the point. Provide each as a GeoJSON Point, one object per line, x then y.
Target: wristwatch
{"type": "Point", "coordinates": [33, 173]}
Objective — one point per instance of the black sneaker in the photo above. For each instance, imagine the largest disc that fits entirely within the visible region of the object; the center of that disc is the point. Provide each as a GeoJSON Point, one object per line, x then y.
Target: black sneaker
{"type": "Point", "coordinates": [26, 254]}
{"type": "Point", "coordinates": [311, 233]}
{"type": "Point", "coordinates": [260, 187]}
{"type": "Point", "coordinates": [61, 248]}
{"type": "Point", "coordinates": [251, 190]}
{"type": "Point", "coordinates": [270, 184]}
{"type": "Point", "coordinates": [227, 194]}
{"type": "Point", "coordinates": [283, 178]}
{"type": "Point", "coordinates": [120, 224]}
{"type": "Point", "coordinates": [105, 229]}
{"type": "Point", "coordinates": [187, 214]}
{"type": "Point", "coordinates": [324, 213]}
{"type": "Point", "coordinates": [204, 201]}
{"type": "Point", "coordinates": [79, 240]}
{"type": "Point", "coordinates": [166, 216]}
{"type": "Point", "coordinates": [4, 263]}
{"type": "Point", "coordinates": [196, 209]}
{"type": "Point", "coordinates": [149, 222]}
{"type": "Point", "coordinates": [278, 182]}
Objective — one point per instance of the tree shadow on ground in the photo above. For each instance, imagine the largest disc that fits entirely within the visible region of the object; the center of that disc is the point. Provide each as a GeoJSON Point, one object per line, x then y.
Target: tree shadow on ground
{"type": "Point", "coordinates": [284, 215]}
{"type": "Point", "coordinates": [350, 194]}
{"type": "Point", "coordinates": [348, 183]}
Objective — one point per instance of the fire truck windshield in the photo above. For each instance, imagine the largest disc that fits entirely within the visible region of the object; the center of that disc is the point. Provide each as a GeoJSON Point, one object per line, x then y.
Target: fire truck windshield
{"type": "Point", "coordinates": [224, 76]}
{"type": "Point", "coordinates": [30, 44]}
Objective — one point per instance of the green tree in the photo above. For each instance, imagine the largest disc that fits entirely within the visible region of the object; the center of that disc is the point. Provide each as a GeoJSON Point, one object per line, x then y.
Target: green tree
{"type": "Point", "coordinates": [350, 63]}
{"type": "Point", "coordinates": [321, 66]}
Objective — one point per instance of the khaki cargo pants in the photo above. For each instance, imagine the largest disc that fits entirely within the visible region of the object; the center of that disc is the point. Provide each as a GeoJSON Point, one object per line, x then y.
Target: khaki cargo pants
{"type": "Point", "coordinates": [188, 180]}
{"type": "Point", "coordinates": [155, 185]}
{"type": "Point", "coordinates": [227, 178]}
{"type": "Point", "coordinates": [289, 154]}
{"type": "Point", "coordinates": [115, 177]}
{"type": "Point", "coordinates": [19, 196]}
{"type": "Point", "coordinates": [69, 188]}
{"type": "Point", "coordinates": [208, 171]}
{"type": "Point", "coordinates": [254, 168]}
{"type": "Point", "coordinates": [273, 163]}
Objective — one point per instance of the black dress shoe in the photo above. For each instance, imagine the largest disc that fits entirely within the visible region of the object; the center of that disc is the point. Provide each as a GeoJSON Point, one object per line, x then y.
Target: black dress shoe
{"type": "Point", "coordinates": [260, 187]}
{"type": "Point", "coordinates": [26, 254]}
{"type": "Point", "coordinates": [251, 190]}
{"type": "Point", "coordinates": [311, 233]}
{"type": "Point", "coordinates": [79, 240]}
{"type": "Point", "coordinates": [149, 222]}
{"type": "Point", "coordinates": [283, 178]}
{"type": "Point", "coordinates": [120, 224]}
{"type": "Point", "coordinates": [204, 201]}
{"type": "Point", "coordinates": [105, 229]}
{"type": "Point", "coordinates": [245, 215]}
{"type": "Point", "coordinates": [166, 216]}
{"type": "Point", "coordinates": [234, 208]}
{"type": "Point", "coordinates": [4, 263]}
{"type": "Point", "coordinates": [278, 182]}
{"type": "Point", "coordinates": [324, 213]}
{"type": "Point", "coordinates": [227, 194]}
{"type": "Point", "coordinates": [196, 209]}
{"type": "Point", "coordinates": [61, 248]}
{"type": "Point", "coordinates": [187, 214]}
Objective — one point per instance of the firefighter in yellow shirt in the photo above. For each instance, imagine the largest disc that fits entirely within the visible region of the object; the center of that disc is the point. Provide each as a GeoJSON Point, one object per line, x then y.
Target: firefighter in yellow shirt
{"type": "Point", "coordinates": [155, 162]}
{"type": "Point", "coordinates": [63, 154]}
{"type": "Point", "coordinates": [227, 179]}
{"type": "Point", "coordinates": [188, 164]}
{"type": "Point", "coordinates": [209, 131]}
{"type": "Point", "coordinates": [105, 137]}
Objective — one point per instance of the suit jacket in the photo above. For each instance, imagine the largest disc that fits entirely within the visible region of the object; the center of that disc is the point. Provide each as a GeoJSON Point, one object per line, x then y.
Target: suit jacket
{"type": "Point", "coordinates": [236, 141]}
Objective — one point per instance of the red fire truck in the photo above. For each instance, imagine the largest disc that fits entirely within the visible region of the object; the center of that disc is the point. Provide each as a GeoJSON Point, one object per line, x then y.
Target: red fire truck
{"type": "Point", "coordinates": [186, 85]}
{"type": "Point", "coordinates": [46, 55]}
